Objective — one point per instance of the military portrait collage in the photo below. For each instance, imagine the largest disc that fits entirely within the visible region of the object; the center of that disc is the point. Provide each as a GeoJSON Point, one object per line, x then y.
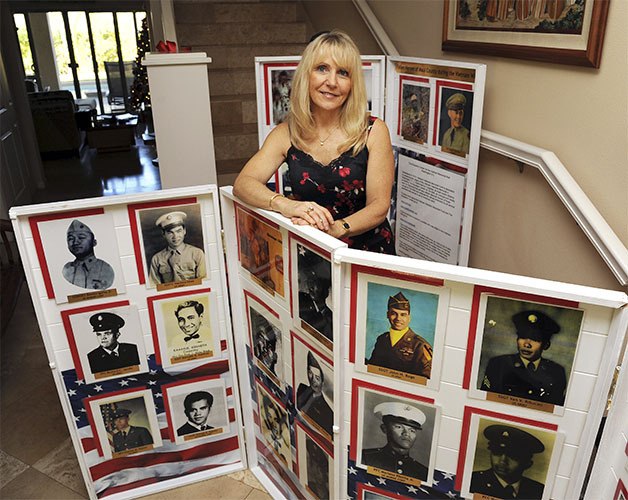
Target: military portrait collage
{"type": "Point", "coordinates": [126, 333]}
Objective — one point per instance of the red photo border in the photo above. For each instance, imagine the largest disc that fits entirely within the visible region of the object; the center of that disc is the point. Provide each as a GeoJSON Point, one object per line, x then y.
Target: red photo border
{"type": "Point", "coordinates": [39, 247]}
{"type": "Point", "coordinates": [621, 488]}
{"type": "Point", "coordinates": [132, 209]}
{"type": "Point", "coordinates": [403, 78]}
{"type": "Point", "coordinates": [321, 444]}
{"type": "Point", "coordinates": [464, 438]}
{"type": "Point", "coordinates": [361, 488]}
{"type": "Point", "coordinates": [260, 384]}
{"type": "Point", "coordinates": [478, 290]}
{"type": "Point", "coordinates": [440, 84]}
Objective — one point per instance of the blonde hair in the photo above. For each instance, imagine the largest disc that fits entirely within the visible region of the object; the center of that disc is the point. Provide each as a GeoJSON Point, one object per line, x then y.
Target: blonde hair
{"type": "Point", "coordinates": [343, 51]}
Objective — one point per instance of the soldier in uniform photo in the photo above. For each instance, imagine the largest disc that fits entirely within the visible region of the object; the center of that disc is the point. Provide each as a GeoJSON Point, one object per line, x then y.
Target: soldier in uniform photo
{"type": "Point", "coordinates": [457, 136]}
{"type": "Point", "coordinates": [315, 285]}
{"type": "Point", "coordinates": [511, 455]}
{"type": "Point", "coordinates": [111, 354]}
{"type": "Point", "coordinates": [86, 270]}
{"type": "Point", "coordinates": [128, 437]}
{"type": "Point", "coordinates": [400, 348]}
{"type": "Point", "coordinates": [401, 424]}
{"type": "Point", "coordinates": [179, 261]}
{"type": "Point", "coordinates": [197, 406]}
{"type": "Point", "coordinates": [527, 374]}
{"type": "Point", "coordinates": [310, 399]}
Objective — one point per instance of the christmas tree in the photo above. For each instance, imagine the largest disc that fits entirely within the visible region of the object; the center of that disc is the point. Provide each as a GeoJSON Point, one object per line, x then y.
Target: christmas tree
{"type": "Point", "coordinates": [140, 93]}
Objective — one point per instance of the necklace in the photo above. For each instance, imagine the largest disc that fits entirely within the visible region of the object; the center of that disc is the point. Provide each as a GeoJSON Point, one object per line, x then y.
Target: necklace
{"type": "Point", "coordinates": [323, 141]}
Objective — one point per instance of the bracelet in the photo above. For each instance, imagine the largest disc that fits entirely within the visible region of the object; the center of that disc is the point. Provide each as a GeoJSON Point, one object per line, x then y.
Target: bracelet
{"type": "Point", "coordinates": [272, 198]}
{"type": "Point", "coordinates": [345, 226]}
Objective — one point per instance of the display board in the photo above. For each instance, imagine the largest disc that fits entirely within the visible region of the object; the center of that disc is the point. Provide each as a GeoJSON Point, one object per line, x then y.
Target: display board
{"type": "Point", "coordinates": [130, 297]}
{"type": "Point", "coordinates": [441, 368]}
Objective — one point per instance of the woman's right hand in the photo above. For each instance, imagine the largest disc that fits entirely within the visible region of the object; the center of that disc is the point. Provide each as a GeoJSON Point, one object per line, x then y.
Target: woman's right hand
{"type": "Point", "coordinates": [305, 213]}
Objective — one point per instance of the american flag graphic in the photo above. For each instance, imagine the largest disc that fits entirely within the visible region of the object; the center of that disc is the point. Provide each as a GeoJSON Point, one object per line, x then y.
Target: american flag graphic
{"type": "Point", "coordinates": [162, 463]}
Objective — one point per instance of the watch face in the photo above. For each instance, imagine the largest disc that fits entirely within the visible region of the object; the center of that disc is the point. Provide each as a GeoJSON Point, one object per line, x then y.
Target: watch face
{"type": "Point", "coordinates": [346, 225]}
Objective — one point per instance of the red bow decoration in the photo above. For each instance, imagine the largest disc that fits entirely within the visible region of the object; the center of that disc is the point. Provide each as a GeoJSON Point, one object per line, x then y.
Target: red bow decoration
{"type": "Point", "coordinates": [170, 47]}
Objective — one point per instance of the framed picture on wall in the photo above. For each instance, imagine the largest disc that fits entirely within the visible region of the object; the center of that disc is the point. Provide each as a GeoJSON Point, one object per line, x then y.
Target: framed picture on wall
{"type": "Point", "coordinates": [315, 463]}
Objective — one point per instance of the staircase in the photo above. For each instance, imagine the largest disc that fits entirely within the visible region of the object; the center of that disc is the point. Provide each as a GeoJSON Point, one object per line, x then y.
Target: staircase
{"type": "Point", "coordinates": [233, 34]}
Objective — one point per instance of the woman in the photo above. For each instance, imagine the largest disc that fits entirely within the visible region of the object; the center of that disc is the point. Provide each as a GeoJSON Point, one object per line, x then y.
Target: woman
{"type": "Point", "coordinates": [340, 162]}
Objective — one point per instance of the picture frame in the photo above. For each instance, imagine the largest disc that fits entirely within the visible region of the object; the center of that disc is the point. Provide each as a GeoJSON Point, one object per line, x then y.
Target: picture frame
{"type": "Point", "coordinates": [573, 35]}
{"type": "Point", "coordinates": [315, 463]}
{"type": "Point", "coordinates": [375, 411]}
{"type": "Point", "coordinates": [184, 326]}
{"type": "Point", "coordinates": [274, 425]}
{"type": "Point", "coordinates": [371, 492]}
{"type": "Point", "coordinates": [198, 410]}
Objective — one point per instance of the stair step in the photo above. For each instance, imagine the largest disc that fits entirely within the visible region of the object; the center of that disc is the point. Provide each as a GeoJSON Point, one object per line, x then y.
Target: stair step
{"type": "Point", "coordinates": [223, 12]}
{"type": "Point", "coordinates": [225, 167]}
{"type": "Point", "coordinates": [236, 129]}
{"type": "Point", "coordinates": [229, 147]}
{"type": "Point", "coordinates": [243, 56]}
{"type": "Point", "coordinates": [228, 82]}
{"type": "Point", "coordinates": [251, 33]}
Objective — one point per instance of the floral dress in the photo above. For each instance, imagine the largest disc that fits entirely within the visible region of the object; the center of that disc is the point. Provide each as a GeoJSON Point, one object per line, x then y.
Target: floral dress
{"type": "Point", "coordinates": [340, 187]}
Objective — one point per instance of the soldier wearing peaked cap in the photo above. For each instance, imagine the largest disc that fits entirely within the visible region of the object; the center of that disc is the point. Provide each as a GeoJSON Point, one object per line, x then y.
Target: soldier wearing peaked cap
{"type": "Point", "coordinates": [179, 261]}
{"type": "Point", "coordinates": [527, 374]}
{"type": "Point", "coordinates": [86, 270]}
{"type": "Point", "coordinates": [128, 437]}
{"type": "Point", "coordinates": [401, 423]}
{"type": "Point", "coordinates": [457, 136]}
{"type": "Point", "coordinates": [111, 354]}
{"type": "Point", "coordinates": [400, 348]}
{"type": "Point", "coordinates": [511, 454]}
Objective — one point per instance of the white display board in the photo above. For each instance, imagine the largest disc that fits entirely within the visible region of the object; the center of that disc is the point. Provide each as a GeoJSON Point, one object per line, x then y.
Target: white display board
{"type": "Point", "coordinates": [137, 335]}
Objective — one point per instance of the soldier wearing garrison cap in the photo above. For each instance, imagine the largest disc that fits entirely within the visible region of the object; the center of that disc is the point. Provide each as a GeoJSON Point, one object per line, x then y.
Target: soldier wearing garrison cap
{"type": "Point", "coordinates": [527, 374]}
{"type": "Point", "coordinates": [128, 437]}
{"type": "Point", "coordinates": [86, 270]}
{"type": "Point", "coordinates": [310, 398]}
{"type": "Point", "coordinates": [111, 354]}
{"type": "Point", "coordinates": [456, 137]}
{"type": "Point", "coordinates": [179, 261]}
{"type": "Point", "coordinates": [511, 454]}
{"type": "Point", "coordinates": [400, 348]}
{"type": "Point", "coordinates": [401, 423]}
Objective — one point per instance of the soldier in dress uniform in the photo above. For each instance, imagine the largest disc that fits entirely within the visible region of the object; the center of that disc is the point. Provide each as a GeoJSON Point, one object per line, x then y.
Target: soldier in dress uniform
{"type": "Point", "coordinates": [511, 454]}
{"type": "Point", "coordinates": [179, 261]}
{"type": "Point", "coordinates": [111, 354]}
{"type": "Point", "coordinates": [128, 437]}
{"type": "Point", "coordinates": [86, 270]}
{"type": "Point", "coordinates": [527, 374]}
{"type": "Point", "coordinates": [401, 423]}
{"type": "Point", "coordinates": [400, 348]}
{"type": "Point", "coordinates": [456, 137]}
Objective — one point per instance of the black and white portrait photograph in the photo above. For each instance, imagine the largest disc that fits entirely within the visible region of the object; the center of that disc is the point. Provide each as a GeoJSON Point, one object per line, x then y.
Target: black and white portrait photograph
{"type": "Point", "coordinates": [82, 256]}
{"type": "Point", "coordinates": [509, 460]}
{"type": "Point", "coordinates": [186, 326]}
{"type": "Point", "coordinates": [415, 111]}
{"type": "Point", "coordinates": [526, 350]}
{"type": "Point", "coordinates": [395, 436]}
{"type": "Point", "coordinates": [454, 127]}
{"type": "Point", "coordinates": [173, 242]}
{"type": "Point", "coordinates": [106, 342]}
{"type": "Point", "coordinates": [275, 426]}
{"type": "Point", "coordinates": [371, 492]}
{"type": "Point", "coordinates": [315, 464]}
{"type": "Point", "coordinates": [125, 423]}
{"type": "Point", "coordinates": [313, 305]}
{"type": "Point", "coordinates": [281, 86]}
{"type": "Point", "coordinates": [197, 410]}
{"type": "Point", "coordinates": [313, 383]}
{"type": "Point", "coordinates": [266, 339]}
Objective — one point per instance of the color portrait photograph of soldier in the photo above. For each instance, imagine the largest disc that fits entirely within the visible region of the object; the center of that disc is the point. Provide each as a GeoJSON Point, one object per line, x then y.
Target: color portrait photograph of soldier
{"type": "Point", "coordinates": [128, 437]}
{"type": "Point", "coordinates": [110, 354]}
{"type": "Point", "coordinates": [415, 113]}
{"type": "Point", "coordinates": [197, 407]}
{"type": "Point", "coordinates": [182, 257]}
{"type": "Point", "coordinates": [528, 349]}
{"type": "Point", "coordinates": [310, 398]}
{"type": "Point", "coordinates": [86, 270]}
{"type": "Point", "coordinates": [401, 348]}
{"type": "Point", "coordinates": [314, 278]}
{"type": "Point", "coordinates": [267, 343]}
{"type": "Point", "coordinates": [317, 466]}
{"type": "Point", "coordinates": [275, 428]}
{"type": "Point", "coordinates": [512, 455]}
{"type": "Point", "coordinates": [401, 431]}
{"type": "Point", "coordinates": [455, 121]}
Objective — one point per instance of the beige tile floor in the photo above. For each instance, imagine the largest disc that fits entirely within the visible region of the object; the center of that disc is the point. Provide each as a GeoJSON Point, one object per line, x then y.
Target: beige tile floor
{"type": "Point", "coordinates": [37, 460]}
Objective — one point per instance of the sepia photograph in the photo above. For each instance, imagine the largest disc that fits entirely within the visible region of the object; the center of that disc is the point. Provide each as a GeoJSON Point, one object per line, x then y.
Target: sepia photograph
{"type": "Point", "coordinates": [454, 127]}
{"type": "Point", "coordinates": [395, 435]}
{"type": "Point", "coordinates": [261, 251]}
{"type": "Point", "coordinates": [315, 464]}
{"type": "Point", "coordinates": [106, 341]}
{"type": "Point", "coordinates": [124, 423]}
{"type": "Point", "coordinates": [313, 379]}
{"type": "Point", "coordinates": [275, 426]}
{"type": "Point", "coordinates": [185, 326]}
{"type": "Point", "coordinates": [197, 410]}
{"type": "Point", "coordinates": [172, 244]}
{"type": "Point", "coordinates": [266, 339]}
{"type": "Point", "coordinates": [281, 86]}
{"type": "Point", "coordinates": [415, 110]}
{"type": "Point", "coordinates": [80, 257]}
{"type": "Point", "coordinates": [526, 350]}
{"type": "Point", "coordinates": [313, 304]}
